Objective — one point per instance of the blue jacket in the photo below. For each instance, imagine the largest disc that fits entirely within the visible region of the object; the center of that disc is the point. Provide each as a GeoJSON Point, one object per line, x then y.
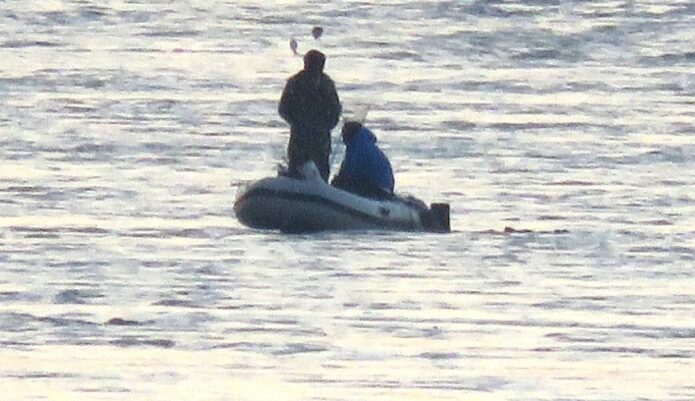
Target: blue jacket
{"type": "Point", "coordinates": [365, 164]}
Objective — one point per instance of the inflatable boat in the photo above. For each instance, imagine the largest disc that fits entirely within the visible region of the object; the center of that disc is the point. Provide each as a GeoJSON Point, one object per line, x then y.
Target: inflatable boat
{"type": "Point", "coordinates": [306, 203]}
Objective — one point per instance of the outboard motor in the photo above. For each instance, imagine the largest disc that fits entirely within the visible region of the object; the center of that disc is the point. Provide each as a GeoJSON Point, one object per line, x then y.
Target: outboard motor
{"type": "Point", "coordinates": [437, 218]}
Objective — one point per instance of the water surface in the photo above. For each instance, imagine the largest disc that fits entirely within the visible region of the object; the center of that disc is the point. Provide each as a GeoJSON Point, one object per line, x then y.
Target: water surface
{"type": "Point", "coordinates": [561, 133]}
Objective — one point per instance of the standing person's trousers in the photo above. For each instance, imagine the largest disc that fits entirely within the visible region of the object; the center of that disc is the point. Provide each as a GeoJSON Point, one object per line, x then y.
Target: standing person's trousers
{"type": "Point", "coordinates": [314, 146]}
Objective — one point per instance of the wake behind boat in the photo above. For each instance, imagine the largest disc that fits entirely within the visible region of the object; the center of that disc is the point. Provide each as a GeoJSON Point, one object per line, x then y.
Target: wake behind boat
{"type": "Point", "coordinates": [305, 204]}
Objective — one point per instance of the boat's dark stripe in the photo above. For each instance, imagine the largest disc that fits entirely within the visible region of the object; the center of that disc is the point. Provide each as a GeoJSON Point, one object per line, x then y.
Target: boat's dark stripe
{"type": "Point", "coordinates": [258, 192]}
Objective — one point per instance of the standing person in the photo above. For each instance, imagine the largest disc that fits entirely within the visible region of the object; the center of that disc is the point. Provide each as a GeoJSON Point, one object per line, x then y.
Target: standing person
{"type": "Point", "coordinates": [365, 170]}
{"type": "Point", "coordinates": [311, 106]}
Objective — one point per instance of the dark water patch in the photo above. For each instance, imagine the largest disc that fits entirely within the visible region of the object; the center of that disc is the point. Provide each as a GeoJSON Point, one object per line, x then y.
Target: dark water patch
{"type": "Point", "coordinates": [669, 59]}
{"type": "Point", "coordinates": [9, 295]}
{"type": "Point", "coordinates": [388, 306]}
{"type": "Point", "coordinates": [52, 18]}
{"type": "Point", "coordinates": [537, 155]}
{"type": "Point", "coordinates": [92, 12]}
{"type": "Point", "coordinates": [86, 230]}
{"type": "Point", "coordinates": [143, 233]}
{"type": "Point", "coordinates": [33, 375]}
{"type": "Point", "coordinates": [400, 55]}
{"type": "Point", "coordinates": [596, 349]}
{"type": "Point", "coordinates": [164, 234]}
{"type": "Point", "coordinates": [14, 322]}
{"type": "Point", "coordinates": [26, 189]}
{"type": "Point", "coordinates": [159, 264]}
{"type": "Point", "coordinates": [11, 15]}
{"type": "Point", "coordinates": [667, 333]}
{"type": "Point", "coordinates": [507, 231]}
{"type": "Point", "coordinates": [280, 321]}
{"type": "Point", "coordinates": [244, 346]}
{"type": "Point", "coordinates": [158, 161]}
{"type": "Point", "coordinates": [537, 126]}
{"type": "Point", "coordinates": [347, 275]}
{"type": "Point", "coordinates": [601, 12]}
{"type": "Point", "coordinates": [17, 345]}
{"type": "Point", "coordinates": [473, 85]}
{"type": "Point", "coordinates": [539, 55]}
{"type": "Point", "coordinates": [450, 385]}
{"type": "Point", "coordinates": [656, 223]}
{"type": "Point", "coordinates": [277, 330]}
{"type": "Point", "coordinates": [143, 50]}
{"type": "Point", "coordinates": [299, 348]}
{"type": "Point", "coordinates": [480, 8]}
{"type": "Point", "coordinates": [138, 16]}
{"type": "Point", "coordinates": [649, 249]}
{"type": "Point", "coordinates": [671, 155]}
{"type": "Point", "coordinates": [570, 338]}
{"type": "Point", "coordinates": [406, 275]}
{"type": "Point", "coordinates": [172, 33]}
{"type": "Point", "coordinates": [454, 195]}
{"type": "Point", "coordinates": [102, 389]}
{"type": "Point", "coordinates": [37, 193]}
{"type": "Point", "coordinates": [266, 18]}
{"type": "Point", "coordinates": [81, 110]}
{"type": "Point", "coordinates": [675, 154]}
{"type": "Point", "coordinates": [571, 183]}
{"type": "Point", "coordinates": [209, 271]}
{"type": "Point", "coordinates": [201, 150]}
{"type": "Point", "coordinates": [439, 355]}
{"type": "Point", "coordinates": [458, 125]}
{"type": "Point", "coordinates": [131, 342]}
{"type": "Point", "coordinates": [379, 384]}
{"type": "Point", "coordinates": [179, 303]}
{"type": "Point", "coordinates": [413, 332]}
{"type": "Point", "coordinates": [671, 87]}
{"type": "Point", "coordinates": [160, 147]}
{"type": "Point", "coordinates": [42, 236]}
{"type": "Point", "coordinates": [186, 233]}
{"type": "Point", "coordinates": [117, 321]}
{"type": "Point", "coordinates": [76, 297]}
{"type": "Point", "coordinates": [65, 321]}
{"type": "Point", "coordinates": [88, 265]}
{"type": "Point", "coordinates": [20, 44]}
{"type": "Point", "coordinates": [546, 217]}
{"type": "Point", "coordinates": [57, 232]}
{"type": "Point", "coordinates": [365, 86]}
{"type": "Point", "coordinates": [512, 170]}
{"type": "Point", "coordinates": [82, 152]}
{"type": "Point", "coordinates": [684, 128]}
{"type": "Point", "coordinates": [529, 8]}
{"type": "Point", "coordinates": [674, 355]}
{"type": "Point", "coordinates": [94, 83]}
{"type": "Point", "coordinates": [377, 322]}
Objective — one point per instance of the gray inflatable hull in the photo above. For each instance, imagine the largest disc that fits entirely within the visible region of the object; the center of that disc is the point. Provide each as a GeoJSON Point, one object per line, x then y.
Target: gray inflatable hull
{"type": "Point", "coordinates": [301, 205]}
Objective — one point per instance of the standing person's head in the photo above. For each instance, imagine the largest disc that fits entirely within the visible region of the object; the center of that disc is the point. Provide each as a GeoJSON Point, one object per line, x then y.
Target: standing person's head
{"type": "Point", "coordinates": [314, 61]}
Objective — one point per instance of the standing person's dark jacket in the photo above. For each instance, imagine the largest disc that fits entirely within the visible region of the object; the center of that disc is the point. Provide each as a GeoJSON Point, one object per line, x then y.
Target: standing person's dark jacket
{"type": "Point", "coordinates": [365, 169]}
{"type": "Point", "coordinates": [311, 106]}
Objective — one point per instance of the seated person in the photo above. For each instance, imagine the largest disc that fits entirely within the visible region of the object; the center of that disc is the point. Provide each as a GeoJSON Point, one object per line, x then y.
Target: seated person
{"type": "Point", "coordinates": [365, 170]}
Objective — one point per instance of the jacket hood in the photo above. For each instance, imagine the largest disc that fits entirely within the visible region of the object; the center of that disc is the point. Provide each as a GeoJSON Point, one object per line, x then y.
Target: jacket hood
{"type": "Point", "coordinates": [364, 136]}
